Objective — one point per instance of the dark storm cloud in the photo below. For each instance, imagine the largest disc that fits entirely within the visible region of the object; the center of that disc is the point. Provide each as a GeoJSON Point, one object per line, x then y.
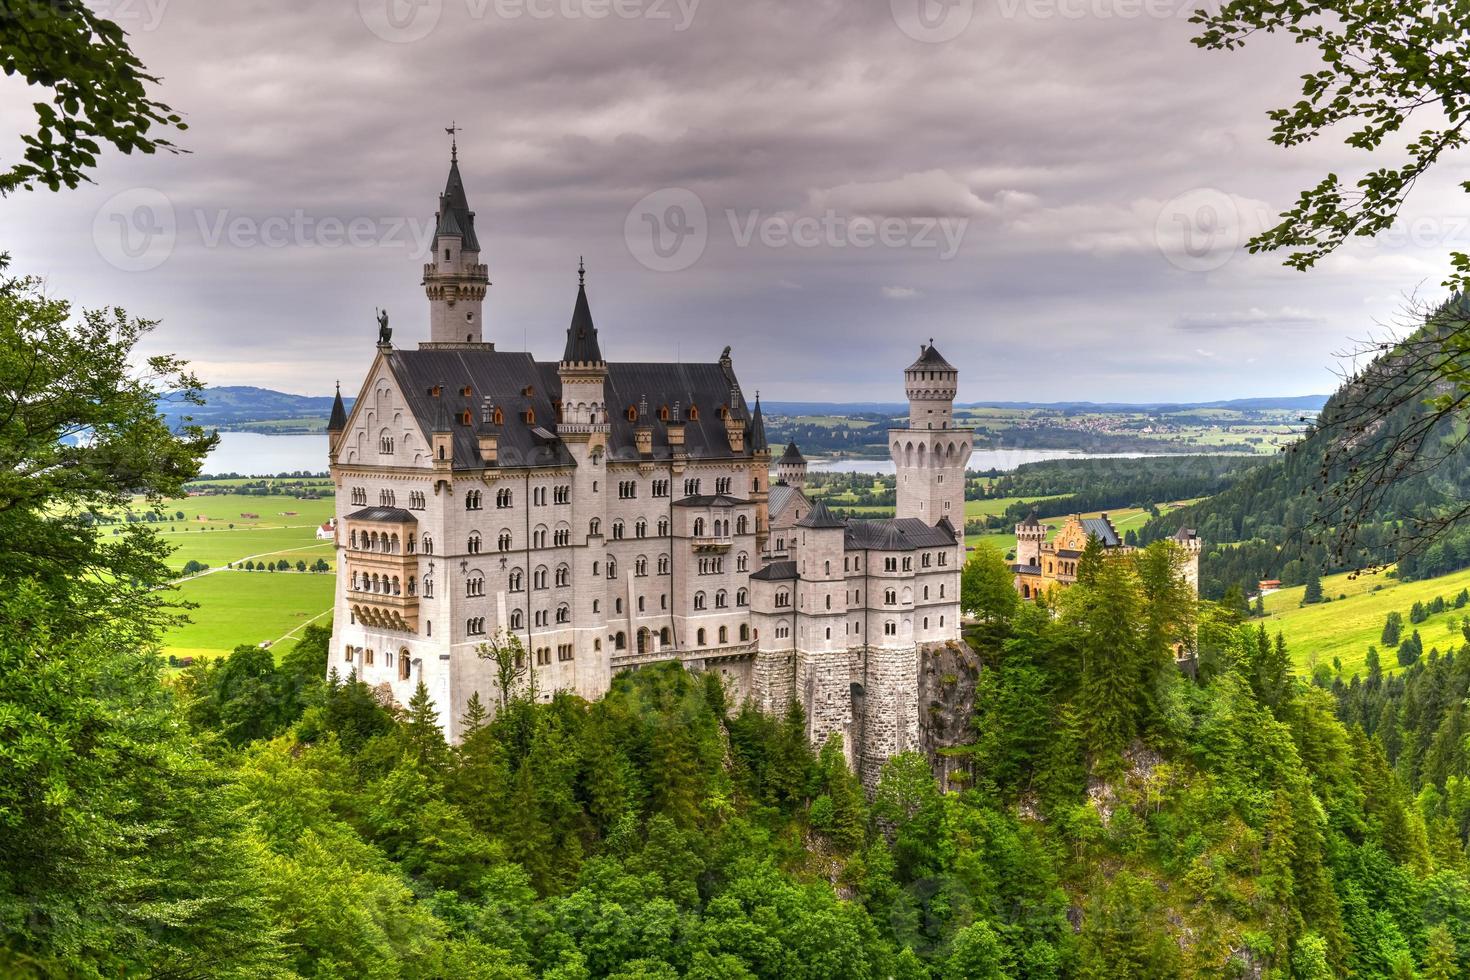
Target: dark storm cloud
{"type": "Point", "coordinates": [1058, 193]}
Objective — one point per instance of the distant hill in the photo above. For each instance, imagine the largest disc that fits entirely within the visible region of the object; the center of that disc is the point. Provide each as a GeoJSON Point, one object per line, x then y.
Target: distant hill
{"type": "Point", "coordinates": [227, 407]}
{"type": "Point", "coordinates": [1267, 517]}
{"type": "Point", "coordinates": [1304, 403]}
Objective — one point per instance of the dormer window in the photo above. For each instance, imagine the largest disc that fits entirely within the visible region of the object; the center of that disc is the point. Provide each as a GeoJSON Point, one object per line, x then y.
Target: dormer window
{"type": "Point", "coordinates": [632, 413]}
{"type": "Point", "coordinates": [530, 416]}
{"type": "Point", "coordinates": [693, 413]}
{"type": "Point", "coordinates": [528, 391]}
{"type": "Point", "coordinates": [465, 391]}
{"type": "Point", "coordinates": [499, 417]}
{"type": "Point", "coordinates": [464, 417]}
{"type": "Point", "coordinates": [663, 413]}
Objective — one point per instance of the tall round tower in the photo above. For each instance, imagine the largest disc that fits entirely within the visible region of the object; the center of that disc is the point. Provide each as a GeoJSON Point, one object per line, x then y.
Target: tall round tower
{"type": "Point", "coordinates": [455, 280]}
{"type": "Point", "coordinates": [931, 454]}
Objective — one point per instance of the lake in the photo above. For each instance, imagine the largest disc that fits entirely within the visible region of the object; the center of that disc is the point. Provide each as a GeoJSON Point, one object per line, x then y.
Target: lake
{"type": "Point", "coordinates": [260, 454]}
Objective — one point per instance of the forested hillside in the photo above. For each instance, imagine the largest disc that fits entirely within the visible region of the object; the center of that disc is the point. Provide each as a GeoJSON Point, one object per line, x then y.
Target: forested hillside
{"type": "Point", "coordinates": [1283, 519]}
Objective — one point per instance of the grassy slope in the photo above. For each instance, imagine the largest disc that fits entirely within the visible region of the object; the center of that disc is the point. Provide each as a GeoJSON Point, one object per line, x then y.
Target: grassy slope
{"type": "Point", "coordinates": [237, 607]}
{"type": "Point", "coordinates": [1347, 627]}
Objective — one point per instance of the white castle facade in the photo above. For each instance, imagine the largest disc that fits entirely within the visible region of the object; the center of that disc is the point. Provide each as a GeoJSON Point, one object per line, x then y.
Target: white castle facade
{"type": "Point", "coordinates": [610, 515]}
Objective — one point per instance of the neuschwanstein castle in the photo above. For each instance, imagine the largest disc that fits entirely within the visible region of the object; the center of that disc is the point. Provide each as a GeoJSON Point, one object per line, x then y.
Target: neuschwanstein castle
{"type": "Point", "coordinates": [611, 515]}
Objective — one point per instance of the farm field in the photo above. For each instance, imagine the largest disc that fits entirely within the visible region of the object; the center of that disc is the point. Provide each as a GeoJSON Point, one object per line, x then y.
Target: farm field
{"type": "Point", "coordinates": [235, 606]}
{"type": "Point", "coordinates": [1345, 628]}
{"type": "Point", "coordinates": [248, 607]}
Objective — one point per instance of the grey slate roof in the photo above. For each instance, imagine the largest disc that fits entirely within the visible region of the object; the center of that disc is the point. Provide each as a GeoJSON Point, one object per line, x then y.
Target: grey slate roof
{"type": "Point", "coordinates": [897, 534]}
{"type": "Point", "coordinates": [1030, 521]}
{"type": "Point", "coordinates": [709, 500]}
{"type": "Point", "coordinates": [930, 360]}
{"type": "Point", "coordinates": [582, 347]}
{"type": "Point", "coordinates": [1185, 534]}
{"type": "Point", "coordinates": [792, 454]}
{"type": "Point", "coordinates": [776, 571]}
{"type": "Point", "coordinates": [756, 435]}
{"type": "Point", "coordinates": [780, 495]}
{"type": "Point", "coordinates": [455, 216]}
{"type": "Point", "coordinates": [820, 518]}
{"type": "Point", "coordinates": [1026, 569]}
{"type": "Point", "coordinates": [1102, 529]}
{"type": "Point", "coordinates": [504, 376]}
{"type": "Point", "coordinates": [383, 515]}
{"type": "Point", "coordinates": [338, 421]}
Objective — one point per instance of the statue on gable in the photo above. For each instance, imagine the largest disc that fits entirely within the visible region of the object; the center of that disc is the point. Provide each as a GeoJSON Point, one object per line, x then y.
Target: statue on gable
{"type": "Point", "coordinates": [385, 333]}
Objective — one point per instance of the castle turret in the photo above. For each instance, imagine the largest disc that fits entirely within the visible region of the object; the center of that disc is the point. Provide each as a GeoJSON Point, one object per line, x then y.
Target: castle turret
{"type": "Point", "coordinates": [454, 279]}
{"type": "Point", "coordinates": [931, 454]}
{"type": "Point", "coordinates": [823, 670]}
{"type": "Point", "coordinates": [1030, 535]}
{"type": "Point", "coordinates": [1189, 542]}
{"type": "Point", "coordinates": [336, 424]}
{"type": "Point", "coordinates": [583, 375]}
{"type": "Point", "coordinates": [791, 467]}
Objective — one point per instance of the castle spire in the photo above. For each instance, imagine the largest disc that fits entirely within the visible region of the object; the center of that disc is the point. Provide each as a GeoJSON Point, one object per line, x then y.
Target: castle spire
{"type": "Point", "coordinates": [454, 279]}
{"type": "Point", "coordinates": [582, 346]}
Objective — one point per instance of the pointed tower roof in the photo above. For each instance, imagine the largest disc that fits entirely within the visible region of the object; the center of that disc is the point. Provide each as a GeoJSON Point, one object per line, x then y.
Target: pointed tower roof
{"type": "Point", "coordinates": [757, 437]}
{"type": "Point", "coordinates": [1030, 521]}
{"type": "Point", "coordinates": [792, 454]}
{"type": "Point", "coordinates": [930, 359]}
{"type": "Point", "coordinates": [820, 517]}
{"type": "Point", "coordinates": [455, 216]}
{"type": "Point", "coordinates": [582, 347]}
{"type": "Point", "coordinates": [338, 421]}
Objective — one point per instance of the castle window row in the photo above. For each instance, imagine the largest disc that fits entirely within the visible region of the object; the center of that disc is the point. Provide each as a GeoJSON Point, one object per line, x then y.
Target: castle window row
{"type": "Point", "coordinates": [382, 584]}
{"type": "Point", "coordinates": [384, 542]}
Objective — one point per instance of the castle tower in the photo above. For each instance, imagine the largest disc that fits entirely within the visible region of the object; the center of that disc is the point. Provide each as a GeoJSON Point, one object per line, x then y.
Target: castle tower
{"type": "Point", "coordinates": [931, 454]}
{"type": "Point", "coordinates": [454, 279]}
{"type": "Point", "coordinates": [1189, 542]}
{"type": "Point", "coordinates": [823, 670]}
{"type": "Point", "coordinates": [1030, 534]}
{"type": "Point", "coordinates": [584, 428]}
{"type": "Point", "coordinates": [760, 474]}
{"type": "Point", "coordinates": [336, 424]}
{"type": "Point", "coordinates": [791, 467]}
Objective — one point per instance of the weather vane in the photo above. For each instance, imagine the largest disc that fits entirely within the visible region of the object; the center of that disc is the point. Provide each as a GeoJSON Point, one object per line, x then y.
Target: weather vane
{"type": "Point", "coordinates": [581, 272]}
{"type": "Point", "coordinates": [452, 129]}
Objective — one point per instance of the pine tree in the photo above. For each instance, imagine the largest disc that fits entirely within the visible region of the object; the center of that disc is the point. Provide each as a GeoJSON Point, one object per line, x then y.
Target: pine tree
{"type": "Point", "coordinates": [1439, 956]}
{"type": "Point", "coordinates": [475, 716]}
{"type": "Point", "coordinates": [422, 729]}
{"type": "Point", "coordinates": [1313, 583]}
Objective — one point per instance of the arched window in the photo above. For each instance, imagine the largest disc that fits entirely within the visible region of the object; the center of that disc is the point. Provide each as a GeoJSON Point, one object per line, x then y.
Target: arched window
{"type": "Point", "coordinates": [563, 576]}
{"type": "Point", "coordinates": [473, 546]}
{"type": "Point", "coordinates": [640, 529]}
{"type": "Point", "coordinates": [699, 527]}
{"type": "Point", "coordinates": [594, 527]}
{"type": "Point", "coordinates": [503, 541]}
{"type": "Point", "coordinates": [783, 599]}
{"type": "Point", "coordinates": [699, 637]}
{"type": "Point", "coordinates": [405, 665]}
{"type": "Point", "coordinates": [663, 527]}
{"type": "Point", "coordinates": [744, 632]}
{"type": "Point", "coordinates": [742, 562]}
{"type": "Point", "coordinates": [663, 564]}
{"type": "Point", "coordinates": [724, 635]}
{"type": "Point", "coordinates": [699, 600]}
{"type": "Point", "coordinates": [620, 641]}
{"type": "Point", "coordinates": [517, 580]}
{"type": "Point", "coordinates": [612, 567]}
{"type": "Point", "coordinates": [742, 597]}
{"type": "Point", "coordinates": [517, 619]}
{"type": "Point", "coordinates": [640, 566]}
{"type": "Point", "coordinates": [617, 530]}
{"type": "Point", "coordinates": [740, 524]}
{"type": "Point", "coordinates": [563, 613]}
{"type": "Point", "coordinates": [722, 599]}
{"type": "Point", "coordinates": [663, 636]}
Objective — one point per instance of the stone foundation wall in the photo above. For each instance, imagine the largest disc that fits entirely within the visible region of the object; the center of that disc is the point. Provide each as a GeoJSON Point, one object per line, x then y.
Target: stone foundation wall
{"type": "Point", "coordinates": [890, 708]}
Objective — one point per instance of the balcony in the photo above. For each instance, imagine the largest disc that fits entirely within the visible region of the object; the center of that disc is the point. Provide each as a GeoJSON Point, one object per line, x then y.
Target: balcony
{"type": "Point", "coordinates": [385, 611]}
{"type": "Point", "coordinates": [712, 542]}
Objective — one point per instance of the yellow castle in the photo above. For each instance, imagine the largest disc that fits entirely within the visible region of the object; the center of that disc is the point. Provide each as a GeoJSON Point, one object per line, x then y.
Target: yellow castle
{"type": "Point", "coordinates": [1042, 565]}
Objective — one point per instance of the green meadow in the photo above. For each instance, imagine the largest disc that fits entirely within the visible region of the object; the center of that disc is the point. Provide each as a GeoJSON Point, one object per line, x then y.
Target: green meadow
{"type": "Point", "coordinates": [1346, 627]}
{"type": "Point", "coordinates": [233, 606]}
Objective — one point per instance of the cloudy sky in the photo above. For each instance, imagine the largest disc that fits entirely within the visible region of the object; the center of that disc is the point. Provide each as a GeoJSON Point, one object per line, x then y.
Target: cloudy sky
{"type": "Point", "coordinates": [1055, 190]}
